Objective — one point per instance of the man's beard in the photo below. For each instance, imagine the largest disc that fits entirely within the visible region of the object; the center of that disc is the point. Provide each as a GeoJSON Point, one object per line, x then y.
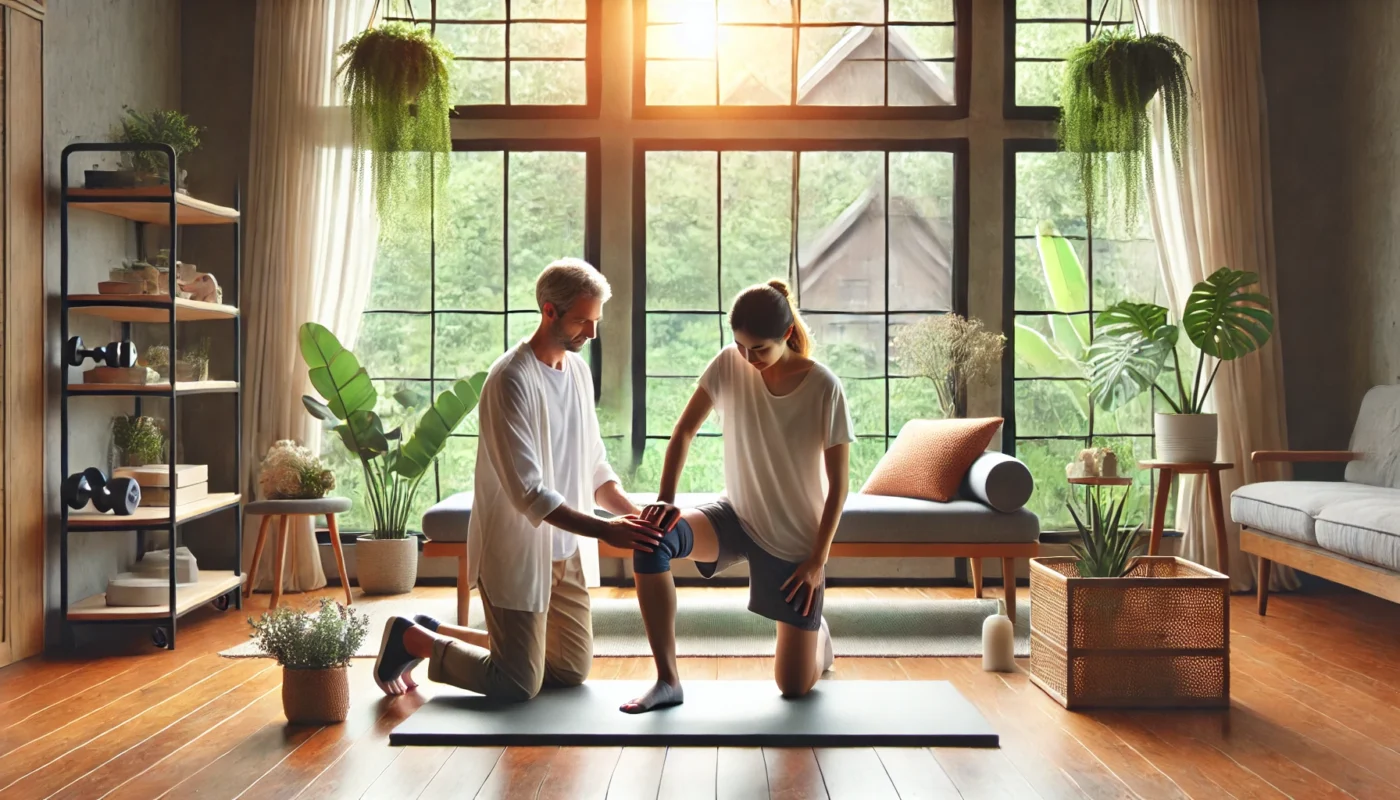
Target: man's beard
{"type": "Point", "coordinates": [563, 339]}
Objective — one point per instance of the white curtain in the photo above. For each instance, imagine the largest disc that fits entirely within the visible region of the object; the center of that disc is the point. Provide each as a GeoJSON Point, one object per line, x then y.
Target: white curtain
{"type": "Point", "coordinates": [311, 237]}
{"type": "Point", "coordinates": [1218, 214]}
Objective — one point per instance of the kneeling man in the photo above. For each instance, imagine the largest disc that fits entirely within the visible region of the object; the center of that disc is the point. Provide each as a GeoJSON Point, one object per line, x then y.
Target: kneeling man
{"type": "Point", "coordinates": [540, 469]}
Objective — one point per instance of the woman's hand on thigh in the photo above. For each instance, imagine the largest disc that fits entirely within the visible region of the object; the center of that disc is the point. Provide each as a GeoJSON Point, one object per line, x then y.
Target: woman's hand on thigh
{"type": "Point", "coordinates": [810, 574]}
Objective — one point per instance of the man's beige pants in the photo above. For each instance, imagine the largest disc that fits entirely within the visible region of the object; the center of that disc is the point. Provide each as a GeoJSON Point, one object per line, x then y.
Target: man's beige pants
{"type": "Point", "coordinates": [529, 649]}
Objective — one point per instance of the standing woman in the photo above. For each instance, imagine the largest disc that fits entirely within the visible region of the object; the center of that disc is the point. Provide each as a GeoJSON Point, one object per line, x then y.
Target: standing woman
{"type": "Point", "coordinates": [787, 438]}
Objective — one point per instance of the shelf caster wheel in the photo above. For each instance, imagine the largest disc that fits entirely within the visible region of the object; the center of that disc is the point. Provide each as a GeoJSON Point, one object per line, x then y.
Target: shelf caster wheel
{"type": "Point", "coordinates": [221, 602]}
{"type": "Point", "coordinates": [160, 639]}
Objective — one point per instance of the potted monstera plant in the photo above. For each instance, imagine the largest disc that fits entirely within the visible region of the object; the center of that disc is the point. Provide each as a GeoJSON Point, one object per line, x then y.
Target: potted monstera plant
{"type": "Point", "coordinates": [394, 461]}
{"type": "Point", "coordinates": [1223, 317]}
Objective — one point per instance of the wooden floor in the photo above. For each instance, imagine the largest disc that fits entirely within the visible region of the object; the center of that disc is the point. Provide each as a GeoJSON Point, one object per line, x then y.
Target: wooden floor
{"type": "Point", "coordinates": [1315, 714]}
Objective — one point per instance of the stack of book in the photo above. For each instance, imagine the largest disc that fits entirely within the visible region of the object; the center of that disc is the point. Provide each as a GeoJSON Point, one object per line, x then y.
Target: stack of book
{"type": "Point", "coordinates": [191, 482]}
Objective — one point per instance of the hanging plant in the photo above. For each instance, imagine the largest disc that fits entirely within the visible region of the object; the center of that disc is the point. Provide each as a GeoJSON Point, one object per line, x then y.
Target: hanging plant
{"type": "Point", "coordinates": [1108, 83]}
{"type": "Point", "coordinates": [395, 79]}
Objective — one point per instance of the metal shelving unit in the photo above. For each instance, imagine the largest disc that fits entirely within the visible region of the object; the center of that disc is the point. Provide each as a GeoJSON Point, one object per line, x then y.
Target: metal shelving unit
{"type": "Point", "coordinates": [156, 205]}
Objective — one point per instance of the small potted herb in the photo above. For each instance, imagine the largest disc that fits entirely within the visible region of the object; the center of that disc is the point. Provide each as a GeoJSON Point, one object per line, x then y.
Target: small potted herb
{"type": "Point", "coordinates": [193, 364]}
{"type": "Point", "coordinates": [313, 651]}
{"type": "Point", "coordinates": [138, 440]}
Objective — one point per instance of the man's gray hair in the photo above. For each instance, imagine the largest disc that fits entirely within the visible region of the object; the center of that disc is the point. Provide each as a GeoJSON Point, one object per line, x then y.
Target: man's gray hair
{"type": "Point", "coordinates": [568, 279]}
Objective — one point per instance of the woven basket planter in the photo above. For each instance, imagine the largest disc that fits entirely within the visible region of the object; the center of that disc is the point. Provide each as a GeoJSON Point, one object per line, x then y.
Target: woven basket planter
{"type": "Point", "coordinates": [1159, 637]}
{"type": "Point", "coordinates": [315, 696]}
{"type": "Point", "coordinates": [386, 566]}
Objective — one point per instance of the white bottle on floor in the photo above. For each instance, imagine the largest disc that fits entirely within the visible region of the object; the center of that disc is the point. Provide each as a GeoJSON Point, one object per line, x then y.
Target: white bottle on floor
{"type": "Point", "coordinates": [998, 641]}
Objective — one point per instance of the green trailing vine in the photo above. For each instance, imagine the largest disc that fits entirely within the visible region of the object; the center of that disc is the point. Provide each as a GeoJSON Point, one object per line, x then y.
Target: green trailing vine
{"type": "Point", "coordinates": [1108, 83]}
{"type": "Point", "coordinates": [395, 80]}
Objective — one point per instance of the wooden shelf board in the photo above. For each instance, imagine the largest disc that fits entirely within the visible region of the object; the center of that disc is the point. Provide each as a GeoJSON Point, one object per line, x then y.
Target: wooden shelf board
{"type": "Point", "coordinates": [181, 387]}
{"type": "Point", "coordinates": [147, 308]}
{"type": "Point", "coordinates": [151, 516]}
{"type": "Point", "coordinates": [119, 203]}
{"type": "Point", "coordinates": [212, 583]}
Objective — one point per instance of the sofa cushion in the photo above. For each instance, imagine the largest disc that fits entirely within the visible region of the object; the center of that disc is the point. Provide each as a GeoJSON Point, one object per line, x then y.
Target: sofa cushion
{"type": "Point", "coordinates": [1377, 438]}
{"type": "Point", "coordinates": [1366, 530]}
{"type": "Point", "coordinates": [1288, 508]}
{"type": "Point", "coordinates": [866, 518]}
{"type": "Point", "coordinates": [1000, 481]}
{"type": "Point", "coordinates": [930, 457]}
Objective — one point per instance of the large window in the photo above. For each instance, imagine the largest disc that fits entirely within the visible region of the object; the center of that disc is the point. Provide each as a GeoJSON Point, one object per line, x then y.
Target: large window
{"type": "Point", "coordinates": [518, 57]}
{"type": "Point", "coordinates": [1040, 33]}
{"type": "Point", "coordinates": [1060, 273]}
{"type": "Point", "coordinates": [863, 58]}
{"type": "Point", "coordinates": [878, 243]}
{"type": "Point", "coordinates": [449, 296]}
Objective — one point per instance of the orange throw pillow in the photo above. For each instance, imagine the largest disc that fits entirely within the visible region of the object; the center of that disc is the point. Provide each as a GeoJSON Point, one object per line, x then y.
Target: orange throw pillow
{"type": "Point", "coordinates": [930, 457]}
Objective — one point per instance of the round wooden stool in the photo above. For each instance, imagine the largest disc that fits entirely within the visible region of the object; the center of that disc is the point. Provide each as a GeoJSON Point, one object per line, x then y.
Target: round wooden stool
{"type": "Point", "coordinates": [286, 509]}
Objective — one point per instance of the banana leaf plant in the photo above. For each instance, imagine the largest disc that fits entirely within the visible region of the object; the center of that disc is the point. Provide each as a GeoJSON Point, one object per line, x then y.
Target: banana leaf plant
{"type": "Point", "coordinates": [1105, 547]}
{"type": "Point", "coordinates": [396, 461]}
{"type": "Point", "coordinates": [1223, 317]}
{"type": "Point", "coordinates": [1061, 353]}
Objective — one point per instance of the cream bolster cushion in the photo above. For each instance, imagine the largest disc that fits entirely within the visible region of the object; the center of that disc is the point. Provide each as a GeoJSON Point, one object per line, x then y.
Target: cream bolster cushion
{"type": "Point", "coordinates": [1000, 481]}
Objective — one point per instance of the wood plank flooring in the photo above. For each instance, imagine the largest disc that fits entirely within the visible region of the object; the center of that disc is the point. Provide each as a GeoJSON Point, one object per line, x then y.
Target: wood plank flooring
{"type": "Point", "coordinates": [1315, 714]}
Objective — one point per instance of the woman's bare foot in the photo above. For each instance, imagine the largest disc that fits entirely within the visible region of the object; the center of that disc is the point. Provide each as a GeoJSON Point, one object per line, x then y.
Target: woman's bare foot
{"type": "Point", "coordinates": [661, 695]}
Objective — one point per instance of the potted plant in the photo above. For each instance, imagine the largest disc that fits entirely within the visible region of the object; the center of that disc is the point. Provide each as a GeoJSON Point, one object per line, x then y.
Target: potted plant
{"type": "Point", "coordinates": [1108, 83]}
{"type": "Point", "coordinates": [314, 651]}
{"type": "Point", "coordinates": [952, 352]}
{"type": "Point", "coordinates": [1115, 628]}
{"type": "Point", "coordinates": [139, 440]}
{"type": "Point", "coordinates": [193, 364]}
{"type": "Point", "coordinates": [291, 472]}
{"type": "Point", "coordinates": [395, 80]}
{"type": "Point", "coordinates": [1223, 318]}
{"type": "Point", "coordinates": [149, 167]}
{"type": "Point", "coordinates": [394, 462]}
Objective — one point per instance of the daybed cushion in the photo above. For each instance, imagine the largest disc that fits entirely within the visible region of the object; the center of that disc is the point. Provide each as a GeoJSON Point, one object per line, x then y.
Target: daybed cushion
{"type": "Point", "coordinates": [1377, 437]}
{"type": "Point", "coordinates": [867, 518]}
{"type": "Point", "coordinates": [1000, 481]}
{"type": "Point", "coordinates": [930, 458]}
{"type": "Point", "coordinates": [1366, 530]}
{"type": "Point", "coordinates": [1288, 508]}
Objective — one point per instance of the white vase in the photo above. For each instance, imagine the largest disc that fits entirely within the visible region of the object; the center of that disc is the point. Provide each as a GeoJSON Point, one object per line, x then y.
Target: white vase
{"type": "Point", "coordinates": [998, 641]}
{"type": "Point", "coordinates": [386, 566]}
{"type": "Point", "coordinates": [1186, 438]}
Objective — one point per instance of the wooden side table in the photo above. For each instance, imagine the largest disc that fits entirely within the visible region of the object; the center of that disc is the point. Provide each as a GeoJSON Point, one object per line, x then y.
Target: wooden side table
{"type": "Point", "coordinates": [1166, 472]}
{"type": "Point", "coordinates": [286, 509]}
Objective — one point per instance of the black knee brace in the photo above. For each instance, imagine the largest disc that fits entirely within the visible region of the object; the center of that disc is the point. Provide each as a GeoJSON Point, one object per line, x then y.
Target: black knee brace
{"type": "Point", "coordinates": [677, 543]}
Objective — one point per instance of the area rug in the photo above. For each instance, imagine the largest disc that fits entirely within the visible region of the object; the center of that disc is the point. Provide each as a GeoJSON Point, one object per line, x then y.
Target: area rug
{"type": "Point", "coordinates": [723, 626]}
{"type": "Point", "coordinates": [715, 714]}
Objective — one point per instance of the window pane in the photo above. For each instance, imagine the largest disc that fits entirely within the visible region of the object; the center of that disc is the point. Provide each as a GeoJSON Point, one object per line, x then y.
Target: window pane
{"type": "Point", "coordinates": [1135, 417]}
{"type": "Point", "coordinates": [851, 345]}
{"type": "Point", "coordinates": [1048, 39]}
{"type": "Point", "coordinates": [921, 83]}
{"type": "Point", "coordinates": [474, 41]}
{"type": "Point", "coordinates": [684, 41]}
{"type": "Point", "coordinates": [704, 466]}
{"type": "Point", "coordinates": [1032, 289]}
{"type": "Point", "coordinates": [558, 83]}
{"type": "Point", "coordinates": [921, 42]}
{"type": "Point", "coordinates": [865, 454]}
{"type": "Point", "coordinates": [683, 344]}
{"type": "Point", "coordinates": [549, 9]}
{"type": "Point", "coordinates": [666, 399]}
{"type": "Point", "coordinates": [1038, 83]}
{"type": "Point", "coordinates": [394, 345]}
{"type": "Point", "coordinates": [755, 65]}
{"type": "Point", "coordinates": [1046, 460]}
{"type": "Point", "coordinates": [921, 10]}
{"type": "Point", "coordinates": [751, 11]}
{"type": "Point", "coordinates": [456, 466]}
{"type": "Point", "coordinates": [1130, 451]}
{"type": "Point", "coordinates": [1045, 9]}
{"type": "Point", "coordinates": [1126, 270]}
{"type": "Point", "coordinates": [1048, 190]}
{"type": "Point", "coordinates": [843, 11]}
{"type": "Point", "coordinates": [681, 83]}
{"type": "Point", "coordinates": [1052, 408]}
{"type": "Point", "coordinates": [912, 398]}
{"type": "Point", "coordinates": [1050, 345]}
{"type": "Point", "coordinates": [865, 399]}
{"type": "Point", "coordinates": [849, 72]}
{"type": "Point", "coordinates": [548, 199]}
{"type": "Point", "coordinates": [479, 82]}
{"type": "Point", "coordinates": [402, 267]}
{"type": "Point", "coordinates": [921, 231]}
{"type": "Point", "coordinates": [680, 10]}
{"type": "Point", "coordinates": [756, 219]}
{"type": "Point", "coordinates": [470, 252]}
{"type": "Point", "coordinates": [471, 9]}
{"type": "Point", "coordinates": [522, 325]}
{"type": "Point", "coordinates": [467, 343]}
{"type": "Point", "coordinates": [548, 40]}
{"type": "Point", "coordinates": [841, 231]}
{"type": "Point", "coordinates": [681, 246]}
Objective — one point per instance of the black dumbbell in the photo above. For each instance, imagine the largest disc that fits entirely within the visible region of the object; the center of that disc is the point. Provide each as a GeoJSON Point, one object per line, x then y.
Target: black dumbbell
{"type": "Point", "coordinates": [119, 495]}
{"type": "Point", "coordinates": [115, 354]}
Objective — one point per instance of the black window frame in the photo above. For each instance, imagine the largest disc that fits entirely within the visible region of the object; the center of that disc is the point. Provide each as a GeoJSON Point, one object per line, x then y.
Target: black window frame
{"type": "Point", "coordinates": [962, 77]}
{"type": "Point", "coordinates": [591, 147]}
{"type": "Point", "coordinates": [1010, 108]}
{"type": "Point", "coordinates": [593, 70]}
{"type": "Point", "coordinates": [958, 147]}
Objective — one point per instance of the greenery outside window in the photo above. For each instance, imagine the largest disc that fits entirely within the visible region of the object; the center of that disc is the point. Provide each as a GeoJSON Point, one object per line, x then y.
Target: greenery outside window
{"type": "Point", "coordinates": [1039, 34]}
{"type": "Point", "coordinates": [714, 217]}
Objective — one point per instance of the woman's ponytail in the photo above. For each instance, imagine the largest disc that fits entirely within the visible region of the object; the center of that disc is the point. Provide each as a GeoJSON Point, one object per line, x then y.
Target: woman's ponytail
{"type": "Point", "coordinates": [767, 311]}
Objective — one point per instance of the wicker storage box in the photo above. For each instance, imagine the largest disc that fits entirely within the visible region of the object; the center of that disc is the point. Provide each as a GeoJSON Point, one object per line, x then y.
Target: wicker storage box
{"type": "Point", "coordinates": [1157, 637]}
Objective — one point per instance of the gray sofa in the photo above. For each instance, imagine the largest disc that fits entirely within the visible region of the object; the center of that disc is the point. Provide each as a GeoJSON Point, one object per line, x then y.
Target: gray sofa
{"type": "Point", "coordinates": [1346, 531]}
{"type": "Point", "coordinates": [987, 520]}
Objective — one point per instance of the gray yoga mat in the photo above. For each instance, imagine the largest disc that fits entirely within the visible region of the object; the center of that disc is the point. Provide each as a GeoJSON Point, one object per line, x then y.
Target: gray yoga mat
{"type": "Point", "coordinates": [837, 713]}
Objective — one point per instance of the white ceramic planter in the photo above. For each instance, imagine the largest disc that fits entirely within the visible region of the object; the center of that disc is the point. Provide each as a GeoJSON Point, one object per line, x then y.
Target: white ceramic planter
{"type": "Point", "coordinates": [386, 566]}
{"type": "Point", "coordinates": [1186, 438]}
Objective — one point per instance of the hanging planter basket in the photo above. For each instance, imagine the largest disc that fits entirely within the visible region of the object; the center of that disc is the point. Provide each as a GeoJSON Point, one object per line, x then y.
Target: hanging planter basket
{"type": "Point", "coordinates": [396, 82]}
{"type": "Point", "coordinates": [1109, 83]}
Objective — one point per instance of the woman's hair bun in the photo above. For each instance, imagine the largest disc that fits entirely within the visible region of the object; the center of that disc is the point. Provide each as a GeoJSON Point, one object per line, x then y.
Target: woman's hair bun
{"type": "Point", "coordinates": [781, 287]}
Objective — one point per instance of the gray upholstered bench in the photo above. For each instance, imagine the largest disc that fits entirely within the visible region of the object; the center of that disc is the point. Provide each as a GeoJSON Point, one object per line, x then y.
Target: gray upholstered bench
{"type": "Point", "coordinates": [872, 526]}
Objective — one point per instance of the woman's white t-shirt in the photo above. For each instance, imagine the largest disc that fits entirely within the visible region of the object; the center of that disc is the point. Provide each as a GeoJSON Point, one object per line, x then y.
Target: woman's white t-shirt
{"type": "Point", "coordinates": [774, 471]}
